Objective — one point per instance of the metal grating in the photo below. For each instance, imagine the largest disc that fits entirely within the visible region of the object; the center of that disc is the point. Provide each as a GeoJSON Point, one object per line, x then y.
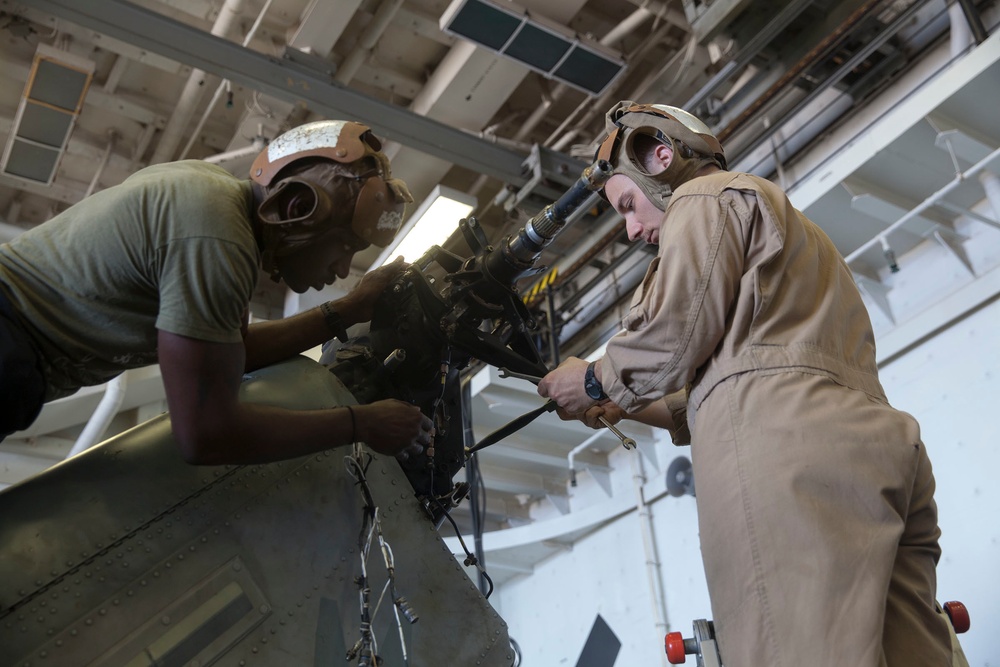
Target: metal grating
{"type": "Point", "coordinates": [546, 47]}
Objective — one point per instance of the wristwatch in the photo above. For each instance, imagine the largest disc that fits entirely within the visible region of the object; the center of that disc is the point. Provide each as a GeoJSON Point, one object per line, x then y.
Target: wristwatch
{"type": "Point", "coordinates": [592, 385]}
{"type": "Point", "coordinates": [334, 321]}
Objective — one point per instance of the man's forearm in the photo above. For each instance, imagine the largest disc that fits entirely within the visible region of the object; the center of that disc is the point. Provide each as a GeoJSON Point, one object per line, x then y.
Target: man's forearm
{"type": "Point", "coordinates": [261, 434]}
{"type": "Point", "coordinates": [276, 340]}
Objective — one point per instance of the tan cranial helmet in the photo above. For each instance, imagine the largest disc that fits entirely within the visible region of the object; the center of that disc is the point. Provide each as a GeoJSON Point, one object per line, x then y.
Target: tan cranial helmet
{"type": "Point", "coordinates": [692, 142]}
{"type": "Point", "coordinates": [378, 212]}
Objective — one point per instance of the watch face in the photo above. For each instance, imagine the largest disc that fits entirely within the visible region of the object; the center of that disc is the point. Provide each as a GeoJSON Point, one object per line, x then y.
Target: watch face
{"type": "Point", "coordinates": [592, 385]}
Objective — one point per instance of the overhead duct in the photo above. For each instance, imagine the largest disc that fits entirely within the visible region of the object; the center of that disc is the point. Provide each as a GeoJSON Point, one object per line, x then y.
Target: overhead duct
{"type": "Point", "coordinates": [539, 44]}
{"type": "Point", "coordinates": [49, 107]}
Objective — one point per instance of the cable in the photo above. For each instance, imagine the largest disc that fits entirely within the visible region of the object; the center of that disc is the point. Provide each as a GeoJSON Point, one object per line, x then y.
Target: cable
{"type": "Point", "coordinates": [366, 647]}
{"type": "Point", "coordinates": [470, 558]}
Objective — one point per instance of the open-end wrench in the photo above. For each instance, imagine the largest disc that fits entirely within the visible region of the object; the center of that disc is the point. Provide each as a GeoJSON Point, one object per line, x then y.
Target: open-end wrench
{"type": "Point", "coordinates": [627, 442]}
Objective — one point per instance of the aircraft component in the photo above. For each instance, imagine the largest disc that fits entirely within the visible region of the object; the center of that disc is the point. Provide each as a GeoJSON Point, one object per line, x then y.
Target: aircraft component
{"type": "Point", "coordinates": [126, 555]}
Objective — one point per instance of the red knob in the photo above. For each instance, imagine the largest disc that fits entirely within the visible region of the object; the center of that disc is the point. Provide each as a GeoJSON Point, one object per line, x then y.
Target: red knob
{"type": "Point", "coordinates": [675, 648]}
{"type": "Point", "coordinates": [959, 616]}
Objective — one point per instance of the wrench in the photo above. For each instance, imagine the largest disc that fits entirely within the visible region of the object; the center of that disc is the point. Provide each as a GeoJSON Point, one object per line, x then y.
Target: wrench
{"type": "Point", "coordinates": [627, 442]}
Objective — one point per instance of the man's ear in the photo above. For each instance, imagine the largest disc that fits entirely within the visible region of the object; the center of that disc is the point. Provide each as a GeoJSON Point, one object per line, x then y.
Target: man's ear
{"type": "Point", "coordinates": [664, 154]}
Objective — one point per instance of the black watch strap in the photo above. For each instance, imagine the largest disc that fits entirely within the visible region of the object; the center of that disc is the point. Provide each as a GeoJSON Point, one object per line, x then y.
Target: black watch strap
{"type": "Point", "coordinates": [593, 386]}
{"type": "Point", "coordinates": [334, 322]}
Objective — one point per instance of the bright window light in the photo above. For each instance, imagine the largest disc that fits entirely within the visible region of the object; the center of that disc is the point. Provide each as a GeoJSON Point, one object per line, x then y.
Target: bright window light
{"type": "Point", "coordinates": [430, 224]}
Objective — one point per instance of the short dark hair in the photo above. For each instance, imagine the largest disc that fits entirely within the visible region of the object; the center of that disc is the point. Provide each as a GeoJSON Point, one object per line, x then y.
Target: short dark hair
{"type": "Point", "coordinates": [644, 147]}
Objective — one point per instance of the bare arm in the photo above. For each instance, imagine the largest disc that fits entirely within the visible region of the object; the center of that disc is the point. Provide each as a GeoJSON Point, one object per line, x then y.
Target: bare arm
{"type": "Point", "coordinates": [212, 427]}
{"type": "Point", "coordinates": [270, 342]}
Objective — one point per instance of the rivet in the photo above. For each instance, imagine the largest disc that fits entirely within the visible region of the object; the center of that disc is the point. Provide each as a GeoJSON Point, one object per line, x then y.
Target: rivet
{"type": "Point", "coordinates": [165, 620]}
{"type": "Point", "coordinates": [341, 152]}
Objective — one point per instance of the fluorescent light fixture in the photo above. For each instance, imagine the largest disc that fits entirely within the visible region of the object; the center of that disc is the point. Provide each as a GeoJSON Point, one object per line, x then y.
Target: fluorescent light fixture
{"type": "Point", "coordinates": [431, 224]}
{"type": "Point", "coordinates": [50, 104]}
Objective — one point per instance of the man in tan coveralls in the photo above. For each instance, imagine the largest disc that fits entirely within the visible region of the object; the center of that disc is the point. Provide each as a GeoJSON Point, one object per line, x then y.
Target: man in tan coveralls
{"type": "Point", "coordinates": [815, 496]}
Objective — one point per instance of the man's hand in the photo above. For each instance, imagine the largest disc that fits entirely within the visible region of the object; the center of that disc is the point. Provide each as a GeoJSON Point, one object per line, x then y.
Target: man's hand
{"type": "Point", "coordinates": [392, 427]}
{"type": "Point", "coordinates": [564, 385]}
{"type": "Point", "coordinates": [361, 300]}
{"type": "Point", "coordinates": [592, 415]}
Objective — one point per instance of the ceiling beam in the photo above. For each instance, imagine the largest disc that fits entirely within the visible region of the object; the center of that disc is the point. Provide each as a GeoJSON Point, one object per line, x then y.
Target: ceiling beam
{"type": "Point", "coordinates": [285, 80]}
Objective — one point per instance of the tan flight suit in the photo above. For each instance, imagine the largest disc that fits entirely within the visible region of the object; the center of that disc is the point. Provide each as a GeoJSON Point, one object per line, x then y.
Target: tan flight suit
{"type": "Point", "coordinates": [815, 497]}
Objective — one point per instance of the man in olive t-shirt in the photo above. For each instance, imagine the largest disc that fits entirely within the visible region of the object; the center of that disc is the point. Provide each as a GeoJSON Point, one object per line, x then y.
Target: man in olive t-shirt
{"type": "Point", "coordinates": [161, 268]}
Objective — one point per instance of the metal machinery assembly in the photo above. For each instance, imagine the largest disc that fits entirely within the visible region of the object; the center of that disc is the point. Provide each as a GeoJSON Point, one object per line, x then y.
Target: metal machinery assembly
{"type": "Point", "coordinates": [445, 311]}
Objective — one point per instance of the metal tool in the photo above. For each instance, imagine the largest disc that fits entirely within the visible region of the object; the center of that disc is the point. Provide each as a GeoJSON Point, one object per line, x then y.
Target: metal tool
{"type": "Point", "coordinates": [627, 442]}
{"type": "Point", "coordinates": [507, 373]}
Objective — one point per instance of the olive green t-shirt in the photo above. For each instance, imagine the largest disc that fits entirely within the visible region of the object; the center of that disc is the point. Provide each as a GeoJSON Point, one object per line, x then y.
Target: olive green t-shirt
{"type": "Point", "coordinates": [171, 248]}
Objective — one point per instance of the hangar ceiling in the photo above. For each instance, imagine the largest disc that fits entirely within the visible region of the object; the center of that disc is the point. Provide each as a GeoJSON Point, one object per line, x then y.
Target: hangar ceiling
{"type": "Point", "coordinates": [217, 79]}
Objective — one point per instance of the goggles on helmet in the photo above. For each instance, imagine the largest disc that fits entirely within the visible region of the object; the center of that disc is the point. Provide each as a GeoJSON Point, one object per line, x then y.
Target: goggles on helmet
{"type": "Point", "coordinates": [666, 122]}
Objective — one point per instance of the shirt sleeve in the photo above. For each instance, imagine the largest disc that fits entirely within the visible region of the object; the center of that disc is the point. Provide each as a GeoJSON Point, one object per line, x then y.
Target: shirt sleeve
{"type": "Point", "coordinates": [680, 314]}
{"type": "Point", "coordinates": [205, 285]}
